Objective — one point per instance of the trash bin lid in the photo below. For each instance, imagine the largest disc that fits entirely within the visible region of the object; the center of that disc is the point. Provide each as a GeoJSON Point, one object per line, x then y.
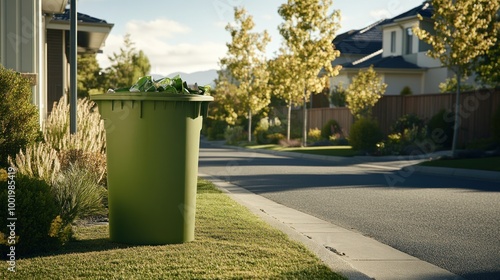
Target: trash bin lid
{"type": "Point", "coordinates": [152, 96]}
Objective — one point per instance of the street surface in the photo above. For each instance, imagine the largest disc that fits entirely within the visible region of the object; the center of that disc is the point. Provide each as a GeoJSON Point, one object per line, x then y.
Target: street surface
{"type": "Point", "coordinates": [451, 222]}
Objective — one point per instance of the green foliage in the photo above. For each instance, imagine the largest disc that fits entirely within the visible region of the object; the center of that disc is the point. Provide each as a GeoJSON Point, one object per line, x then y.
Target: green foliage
{"type": "Point", "coordinates": [365, 134]}
{"type": "Point", "coordinates": [214, 129]}
{"type": "Point", "coordinates": [314, 135]}
{"type": "Point", "coordinates": [440, 128]}
{"type": "Point", "coordinates": [331, 128]}
{"type": "Point", "coordinates": [269, 131]}
{"type": "Point", "coordinates": [246, 67]}
{"type": "Point", "coordinates": [408, 121]}
{"type": "Point", "coordinates": [450, 85]}
{"type": "Point", "coordinates": [35, 210]}
{"type": "Point", "coordinates": [94, 163]}
{"type": "Point", "coordinates": [127, 66]}
{"type": "Point", "coordinates": [90, 78]}
{"type": "Point", "coordinates": [364, 92]}
{"type": "Point", "coordinates": [463, 31]}
{"type": "Point", "coordinates": [304, 63]}
{"type": "Point", "coordinates": [78, 194]}
{"type": "Point", "coordinates": [19, 125]}
{"type": "Point", "coordinates": [406, 91]}
{"type": "Point", "coordinates": [338, 96]}
{"type": "Point", "coordinates": [234, 134]}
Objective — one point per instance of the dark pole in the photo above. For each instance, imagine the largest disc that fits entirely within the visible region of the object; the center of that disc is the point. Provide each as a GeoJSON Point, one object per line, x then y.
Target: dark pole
{"type": "Point", "coordinates": [73, 67]}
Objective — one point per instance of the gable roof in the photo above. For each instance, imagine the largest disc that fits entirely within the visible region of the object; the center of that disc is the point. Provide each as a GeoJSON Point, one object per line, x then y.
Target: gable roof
{"type": "Point", "coordinates": [425, 10]}
{"type": "Point", "coordinates": [80, 17]}
{"type": "Point", "coordinates": [361, 41]}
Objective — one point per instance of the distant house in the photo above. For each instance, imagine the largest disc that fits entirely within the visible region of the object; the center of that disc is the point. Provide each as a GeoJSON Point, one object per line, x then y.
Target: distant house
{"type": "Point", "coordinates": [34, 40]}
{"type": "Point", "coordinates": [395, 53]}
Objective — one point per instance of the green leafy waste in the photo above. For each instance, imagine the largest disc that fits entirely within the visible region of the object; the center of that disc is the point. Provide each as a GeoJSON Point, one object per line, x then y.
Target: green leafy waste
{"type": "Point", "coordinates": [164, 85]}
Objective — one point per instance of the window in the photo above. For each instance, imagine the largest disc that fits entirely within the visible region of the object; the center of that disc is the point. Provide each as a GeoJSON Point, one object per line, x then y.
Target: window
{"type": "Point", "coordinates": [409, 41]}
{"type": "Point", "coordinates": [393, 41]}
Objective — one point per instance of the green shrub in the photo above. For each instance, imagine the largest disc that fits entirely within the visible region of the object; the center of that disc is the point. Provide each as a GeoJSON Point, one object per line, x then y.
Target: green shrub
{"type": "Point", "coordinates": [365, 134]}
{"type": "Point", "coordinates": [338, 96]}
{"type": "Point", "coordinates": [234, 134]}
{"type": "Point", "coordinates": [314, 135]}
{"type": "Point", "coordinates": [35, 210]}
{"type": "Point", "coordinates": [275, 138]}
{"type": "Point", "coordinates": [94, 163]}
{"type": "Point", "coordinates": [407, 122]}
{"type": "Point", "coordinates": [331, 128]}
{"type": "Point", "coordinates": [78, 194]}
{"type": "Point", "coordinates": [19, 125]}
{"type": "Point", "coordinates": [38, 160]}
{"type": "Point", "coordinates": [215, 129]}
{"type": "Point", "coordinates": [406, 91]}
{"type": "Point", "coordinates": [440, 128]}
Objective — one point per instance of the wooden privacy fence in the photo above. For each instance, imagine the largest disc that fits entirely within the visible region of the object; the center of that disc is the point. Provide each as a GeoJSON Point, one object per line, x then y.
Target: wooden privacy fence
{"type": "Point", "coordinates": [476, 112]}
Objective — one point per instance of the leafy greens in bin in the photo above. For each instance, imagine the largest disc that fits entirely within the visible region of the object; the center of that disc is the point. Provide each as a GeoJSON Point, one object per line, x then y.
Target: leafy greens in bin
{"type": "Point", "coordinates": [167, 85]}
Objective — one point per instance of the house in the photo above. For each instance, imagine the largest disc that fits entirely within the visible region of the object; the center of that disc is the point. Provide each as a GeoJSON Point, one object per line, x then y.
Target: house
{"type": "Point", "coordinates": [34, 40]}
{"type": "Point", "coordinates": [396, 54]}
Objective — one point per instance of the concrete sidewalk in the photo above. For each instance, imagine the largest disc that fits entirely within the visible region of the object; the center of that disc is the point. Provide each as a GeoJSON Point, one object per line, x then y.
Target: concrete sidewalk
{"type": "Point", "coordinates": [344, 251]}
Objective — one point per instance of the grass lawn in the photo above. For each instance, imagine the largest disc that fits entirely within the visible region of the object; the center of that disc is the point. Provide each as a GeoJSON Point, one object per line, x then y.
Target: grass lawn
{"type": "Point", "coordinates": [338, 151]}
{"type": "Point", "coordinates": [231, 243]}
{"type": "Point", "coordinates": [488, 163]}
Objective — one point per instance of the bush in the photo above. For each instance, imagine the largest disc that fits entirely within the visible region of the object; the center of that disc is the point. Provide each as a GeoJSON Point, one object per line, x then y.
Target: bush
{"type": "Point", "coordinates": [94, 163]}
{"type": "Point", "coordinates": [78, 194]}
{"type": "Point", "coordinates": [215, 129]}
{"type": "Point", "coordinates": [234, 134]}
{"type": "Point", "coordinates": [18, 117]}
{"type": "Point", "coordinates": [407, 122]}
{"type": "Point", "coordinates": [331, 128]}
{"type": "Point", "coordinates": [39, 160]}
{"type": "Point", "coordinates": [90, 136]}
{"type": "Point", "coordinates": [365, 134]}
{"type": "Point", "coordinates": [314, 135]}
{"type": "Point", "coordinates": [440, 128]}
{"type": "Point", "coordinates": [35, 210]}
{"type": "Point", "coordinates": [406, 91]}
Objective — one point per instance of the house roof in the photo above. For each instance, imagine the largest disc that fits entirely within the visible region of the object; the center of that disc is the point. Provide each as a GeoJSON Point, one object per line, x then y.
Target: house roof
{"type": "Point", "coordinates": [425, 10]}
{"type": "Point", "coordinates": [361, 41]}
{"type": "Point", "coordinates": [92, 32]}
{"type": "Point", "coordinates": [392, 62]}
{"type": "Point", "coordinates": [81, 17]}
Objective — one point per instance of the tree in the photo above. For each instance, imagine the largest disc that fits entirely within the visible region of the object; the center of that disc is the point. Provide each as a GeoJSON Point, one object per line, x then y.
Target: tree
{"type": "Point", "coordinates": [226, 104]}
{"type": "Point", "coordinates": [247, 67]}
{"type": "Point", "coordinates": [90, 77]}
{"type": "Point", "coordinates": [127, 66]}
{"type": "Point", "coordinates": [308, 32]}
{"type": "Point", "coordinates": [463, 31]}
{"type": "Point", "coordinates": [487, 67]}
{"type": "Point", "coordinates": [364, 92]}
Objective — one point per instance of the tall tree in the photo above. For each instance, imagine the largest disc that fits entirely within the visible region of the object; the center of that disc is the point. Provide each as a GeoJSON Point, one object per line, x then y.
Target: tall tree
{"type": "Point", "coordinates": [463, 31]}
{"type": "Point", "coordinates": [246, 65]}
{"type": "Point", "coordinates": [309, 30]}
{"type": "Point", "coordinates": [487, 67]}
{"type": "Point", "coordinates": [127, 66]}
{"type": "Point", "coordinates": [364, 92]}
{"type": "Point", "coordinates": [90, 77]}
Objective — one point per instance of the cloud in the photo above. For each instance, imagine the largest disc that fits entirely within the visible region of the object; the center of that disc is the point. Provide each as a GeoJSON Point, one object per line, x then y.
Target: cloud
{"type": "Point", "coordinates": [166, 55]}
{"type": "Point", "coordinates": [380, 14]}
{"type": "Point", "coordinates": [159, 28]}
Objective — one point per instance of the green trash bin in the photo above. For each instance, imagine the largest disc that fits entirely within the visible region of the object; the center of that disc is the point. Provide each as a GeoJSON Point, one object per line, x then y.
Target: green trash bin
{"type": "Point", "coordinates": [152, 159]}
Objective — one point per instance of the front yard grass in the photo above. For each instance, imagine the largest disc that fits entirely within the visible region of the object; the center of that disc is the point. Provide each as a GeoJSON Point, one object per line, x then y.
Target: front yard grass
{"type": "Point", "coordinates": [337, 151]}
{"type": "Point", "coordinates": [486, 163]}
{"type": "Point", "coordinates": [231, 243]}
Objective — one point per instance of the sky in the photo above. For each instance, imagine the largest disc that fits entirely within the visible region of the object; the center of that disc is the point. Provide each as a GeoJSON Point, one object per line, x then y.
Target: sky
{"type": "Point", "coordinates": [189, 35]}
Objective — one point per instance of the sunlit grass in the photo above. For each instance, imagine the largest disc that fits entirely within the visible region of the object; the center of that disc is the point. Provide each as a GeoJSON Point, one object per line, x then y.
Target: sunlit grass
{"type": "Point", "coordinates": [487, 163]}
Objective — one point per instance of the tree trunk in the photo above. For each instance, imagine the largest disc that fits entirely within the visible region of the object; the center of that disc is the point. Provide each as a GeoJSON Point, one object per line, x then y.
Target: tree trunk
{"type": "Point", "coordinates": [457, 117]}
{"type": "Point", "coordinates": [249, 126]}
{"type": "Point", "coordinates": [289, 121]}
{"type": "Point", "coordinates": [304, 130]}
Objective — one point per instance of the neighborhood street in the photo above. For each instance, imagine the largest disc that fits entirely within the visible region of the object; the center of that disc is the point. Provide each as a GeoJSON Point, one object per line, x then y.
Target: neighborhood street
{"type": "Point", "coordinates": [451, 222]}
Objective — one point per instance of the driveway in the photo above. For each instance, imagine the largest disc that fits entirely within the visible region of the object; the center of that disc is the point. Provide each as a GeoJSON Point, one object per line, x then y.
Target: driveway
{"type": "Point", "coordinates": [451, 222]}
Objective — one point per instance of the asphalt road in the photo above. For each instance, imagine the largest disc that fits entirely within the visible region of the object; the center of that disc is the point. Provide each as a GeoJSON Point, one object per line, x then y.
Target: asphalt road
{"type": "Point", "coordinates": [451, 222]}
